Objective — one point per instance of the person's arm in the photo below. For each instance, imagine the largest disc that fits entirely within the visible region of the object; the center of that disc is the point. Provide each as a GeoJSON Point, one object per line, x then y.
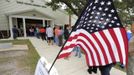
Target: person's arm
{"type": "Point", "coordinates": [131, 46]}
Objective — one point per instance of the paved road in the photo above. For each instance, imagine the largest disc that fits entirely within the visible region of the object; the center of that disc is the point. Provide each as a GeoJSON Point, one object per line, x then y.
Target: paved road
{"type": "Point", "coordinates": [72, 66]}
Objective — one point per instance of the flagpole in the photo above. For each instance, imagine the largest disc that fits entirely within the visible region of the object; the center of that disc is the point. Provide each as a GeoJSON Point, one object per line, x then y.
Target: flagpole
{"type": "Point", "coordinates": [66, 40]}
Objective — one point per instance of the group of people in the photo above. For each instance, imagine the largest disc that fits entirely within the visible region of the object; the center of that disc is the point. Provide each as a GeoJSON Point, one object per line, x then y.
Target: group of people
{"type": "Point", "coordinates": [56, 34]}
{"type": "Point", "coordinates": [51, 35]}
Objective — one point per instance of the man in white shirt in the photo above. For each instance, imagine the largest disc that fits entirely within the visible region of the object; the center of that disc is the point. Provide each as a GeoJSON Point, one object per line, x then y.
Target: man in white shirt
{"type": "Point", "coordinates": [49, 33]}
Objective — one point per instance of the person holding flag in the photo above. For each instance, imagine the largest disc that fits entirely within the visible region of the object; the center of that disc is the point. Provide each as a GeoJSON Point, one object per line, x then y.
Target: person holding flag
{"type": "Point", "coordinates": [101, 36]}
{"type": "Point", "coordinates": [130, 70]}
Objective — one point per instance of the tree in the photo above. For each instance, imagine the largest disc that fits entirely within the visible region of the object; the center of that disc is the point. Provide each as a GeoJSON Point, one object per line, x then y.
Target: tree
{"type": "Point", "coordinates": [125, 8]}
{"type": "Point", "coordinates": [70, 13]}
{"type": "Point", "coordinates": [76, 6]}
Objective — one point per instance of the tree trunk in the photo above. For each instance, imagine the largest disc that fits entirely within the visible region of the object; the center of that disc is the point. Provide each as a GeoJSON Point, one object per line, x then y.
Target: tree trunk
{"type": "Point", "coordinates": [69, 19]}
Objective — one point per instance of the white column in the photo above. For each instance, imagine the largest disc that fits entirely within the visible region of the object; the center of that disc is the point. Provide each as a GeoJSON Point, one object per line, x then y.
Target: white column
{"type": "Point", "coordinates": [24, 27]}
{"type": "Point", "coordinates": [11, 26]}
{"type": "Point", "coordinates": [43, 23]}
{"type": "Point", "coordinates": [53, 22]}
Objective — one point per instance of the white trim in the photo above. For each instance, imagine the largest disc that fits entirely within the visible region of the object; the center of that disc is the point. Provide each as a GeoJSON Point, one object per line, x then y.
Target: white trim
{"type": "Point", "coordinates": [24, 27]}
{"type": "Point", "coordinates": [28, 10]}
{"type": "Point", "coordinates": [11, 26]}
{"type": "Point", "coordinates": [29, 17]}
{"type": "Point", "coordinates": [43, 21]}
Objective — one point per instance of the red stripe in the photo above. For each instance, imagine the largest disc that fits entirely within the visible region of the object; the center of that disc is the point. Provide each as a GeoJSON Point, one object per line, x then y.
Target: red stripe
{"type": "Point", "coordinates": [73, 37]}
{"type": "Point", "coordinates": [95, 49]}
{"type": "Point", "coordinates": [117, 44]}
{"type": "Point", "coordinates": [64, 55]}
{"type": "Point", "coordinates": [123, 32]}
{"type": "Point", "coordinates": [87, 59]}
{"type": "Point", "coordinates": [93, 59]}
{"type": "Point", "coordinates": [101, 47]}
{"type": "Point", "coordinates": [70, 46]}
{"type": "Point", "coordinates": [86, 37]}
{"type": "Point", "coordinates": [109, 46]}
{"type": "Point", "coordinates": [112, 33]}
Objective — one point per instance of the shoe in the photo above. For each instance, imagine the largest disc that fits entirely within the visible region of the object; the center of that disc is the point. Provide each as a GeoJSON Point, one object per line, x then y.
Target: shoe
{"type": "Point", "coordinates": [122, 66]}
{"type": "Point", "coordinates": [94, 69]}
{"type": "Point", "coordinates": [89, 71]}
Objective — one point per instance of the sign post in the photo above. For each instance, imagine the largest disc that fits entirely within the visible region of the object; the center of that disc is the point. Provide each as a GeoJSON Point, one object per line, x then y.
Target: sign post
{"type": "Point", "coordinates": [43, 66]}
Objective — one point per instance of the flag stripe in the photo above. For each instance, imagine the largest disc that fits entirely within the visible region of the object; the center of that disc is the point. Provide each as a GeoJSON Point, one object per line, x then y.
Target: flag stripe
{"type": "Point", "coordinates": [112, 43]}
{"type": "Point", "coordinates": [91, 41]}
{"type": "Point", "coordinates": [104, 46]}
{"type": "Point", "coordinates": [109, 46]}
{"type": "Point", "coordinates": [88, 50]}
{"type": "Point", "coordinates": [88, 55]}
{"type": "Point", "coordinates": [67, 51]}
{"type": "Point", "coordinates": [69, 46]}
{"type": "Point", "coordinates": [123, 32]}
{"type": "Point", "coordinates": [121, 43]}
{"type": "Point", "coordinates": [117, 44]}
{"type": "Point", "coordinates": [101, 47]}
{"type": "Point", "coordinates": [64, 55]}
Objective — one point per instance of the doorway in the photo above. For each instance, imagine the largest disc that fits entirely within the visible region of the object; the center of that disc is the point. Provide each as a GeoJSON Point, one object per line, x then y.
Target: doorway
{"type": "Point", "coordinates": [25, 23]}
{"type": "Point", "coordinates": [31, 25]}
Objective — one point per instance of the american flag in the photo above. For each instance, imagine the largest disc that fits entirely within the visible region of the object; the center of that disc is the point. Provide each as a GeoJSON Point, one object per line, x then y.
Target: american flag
{"type": "Point", "coordinates": [100, 35]}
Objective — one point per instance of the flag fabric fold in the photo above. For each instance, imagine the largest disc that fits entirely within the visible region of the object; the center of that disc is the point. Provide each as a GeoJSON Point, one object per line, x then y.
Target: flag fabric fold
{"type": "Point", "coordinates": [100, 35]}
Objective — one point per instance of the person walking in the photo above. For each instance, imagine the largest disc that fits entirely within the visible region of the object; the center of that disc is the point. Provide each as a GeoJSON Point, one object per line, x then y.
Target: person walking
{"type": "Point", "coordinates": [130, 69]}
{"type": "Point", "coordinates": [129, 33]}
{"type": "Point", "coordinates": [31, 30]}
{"type": "Point", "coordinates": [60, 37]}
{"type": "Point", "coordinates": [42, 33]}
{"type": "Point", "coordinates": [37, 32]}
{"type": "Point", "coordinates": [77, 51]}
{"type": "Point", "coordinates": [56, 32]}
{"type": "Point", "coordinates": [50, 35]}
{"type": "Point", "coordinates": [66, 32]}
{"type": "Point", "coordinates": [15, 32]}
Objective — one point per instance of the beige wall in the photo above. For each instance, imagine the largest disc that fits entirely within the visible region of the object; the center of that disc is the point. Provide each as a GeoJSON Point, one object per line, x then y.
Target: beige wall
{"type": "Point", "coordinates": [8, 8]}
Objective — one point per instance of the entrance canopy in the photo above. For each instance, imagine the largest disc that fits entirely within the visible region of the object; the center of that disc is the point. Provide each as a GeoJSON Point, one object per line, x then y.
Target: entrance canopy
{"type": "Point", "coordinates": [30, 12]}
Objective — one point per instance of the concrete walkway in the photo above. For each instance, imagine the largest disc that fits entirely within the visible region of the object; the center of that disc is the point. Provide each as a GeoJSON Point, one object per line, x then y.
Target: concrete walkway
{"type": "Point", "coordinates": [72, 66]}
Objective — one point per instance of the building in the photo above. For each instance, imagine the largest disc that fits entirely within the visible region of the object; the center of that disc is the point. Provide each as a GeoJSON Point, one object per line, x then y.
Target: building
{"type": "Point", "coordinates": [26, 13]}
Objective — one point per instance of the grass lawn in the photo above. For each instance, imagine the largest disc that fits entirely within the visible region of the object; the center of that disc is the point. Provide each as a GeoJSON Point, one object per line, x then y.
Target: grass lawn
{"type": "Point", "coordinates": [32, 56]}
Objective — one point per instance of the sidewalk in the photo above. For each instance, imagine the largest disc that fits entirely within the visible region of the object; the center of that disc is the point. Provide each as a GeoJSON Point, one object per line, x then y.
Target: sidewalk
{"type": "Point", "coordinates": [72, 66]}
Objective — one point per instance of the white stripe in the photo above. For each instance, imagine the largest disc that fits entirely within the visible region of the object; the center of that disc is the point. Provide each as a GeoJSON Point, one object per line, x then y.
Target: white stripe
{"type": "Point", "coordinates": [92, 49]}
{"type": "Point", "coordinates": [70, 42]}
{"type": "Point", "coordinates": [104, 46]}
{"type": "Point", "coordinates": [75, 33]}
{"type": "Point", "coordinates": [89, 56]}
{"type": "Point", "coordinates": [96, 45]}
{"type": "Point", "coordinates": [112, 43]}
{"type": "Point", "coordinates": [67, 51]}
{"type": "Point", "coordinates": [121, 42]}
{"type": "Point", "coordinates": [74, 41]}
